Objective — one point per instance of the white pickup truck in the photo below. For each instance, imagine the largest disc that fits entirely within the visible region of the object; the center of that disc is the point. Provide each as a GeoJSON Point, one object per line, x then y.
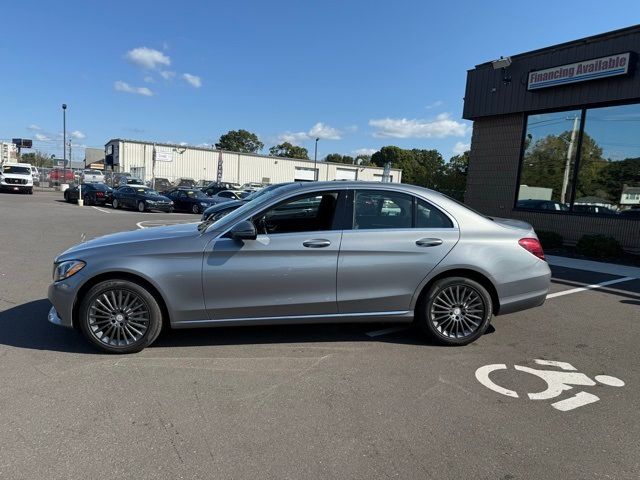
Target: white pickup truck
{"type": "Point", "coordinates": [92, 176]}
{"type": "Point", "coordinates": [16, 177]}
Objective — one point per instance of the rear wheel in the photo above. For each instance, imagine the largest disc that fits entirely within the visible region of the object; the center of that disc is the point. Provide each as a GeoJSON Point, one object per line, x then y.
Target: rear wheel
{"type": "Point", "coordinates": [455, 311]}
{"type": "Point", "coordinates": [119, 316]}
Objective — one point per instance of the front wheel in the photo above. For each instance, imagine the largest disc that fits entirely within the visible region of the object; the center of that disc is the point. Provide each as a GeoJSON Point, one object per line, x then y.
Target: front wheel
{"type": "Point", "coordinates": [195, 209]}
{"type": "Point", "coordinates": [455, 311]}
{"type": "Point", "coordinates": [115, 204]}
{"type": "Point", "coordinates": [119, 316]}
{"type": "Point", "coordinates": [66, 197]}
{"type": "Point", "coordinates": [141, 207]}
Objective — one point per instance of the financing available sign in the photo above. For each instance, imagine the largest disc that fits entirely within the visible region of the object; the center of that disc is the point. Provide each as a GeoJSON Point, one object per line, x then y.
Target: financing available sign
{"type": "Point", "coordinates": [602, 67]}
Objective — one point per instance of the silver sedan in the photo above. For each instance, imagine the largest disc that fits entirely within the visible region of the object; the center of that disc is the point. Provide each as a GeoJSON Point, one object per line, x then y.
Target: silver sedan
{"type": "Point", "coordinates": [305, 253]}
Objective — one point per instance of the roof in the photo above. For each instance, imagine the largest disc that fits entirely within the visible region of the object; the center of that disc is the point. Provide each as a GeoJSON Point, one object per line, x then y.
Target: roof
{"type": "Point", "coordinates": [631, 190]}
{"type": "Point", "coordinates": [572, 43]}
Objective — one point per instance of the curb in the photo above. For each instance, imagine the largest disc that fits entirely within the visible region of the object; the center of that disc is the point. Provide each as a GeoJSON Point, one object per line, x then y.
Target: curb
{"type": "Point", "coordinates": [591, 266]}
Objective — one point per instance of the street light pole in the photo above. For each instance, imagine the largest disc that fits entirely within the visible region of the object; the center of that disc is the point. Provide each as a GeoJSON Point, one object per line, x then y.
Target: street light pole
{"type": "Point", "coordinates": [64, 143]}
{"type": "Point", "coordinates": [315, 161]}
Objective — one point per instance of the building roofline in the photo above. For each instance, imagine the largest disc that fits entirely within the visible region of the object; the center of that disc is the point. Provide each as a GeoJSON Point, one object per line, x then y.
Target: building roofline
{"type": "Point", "coordinates": [570, 43]}
{"type": "Point", "coordinates": [193, 147]}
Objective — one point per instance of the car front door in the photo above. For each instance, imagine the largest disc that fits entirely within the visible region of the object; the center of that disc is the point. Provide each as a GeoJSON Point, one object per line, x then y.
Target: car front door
{"type": "Point", "coordinates": [289, 270]}
{"type": "Point", "coordinates": [396, 239]}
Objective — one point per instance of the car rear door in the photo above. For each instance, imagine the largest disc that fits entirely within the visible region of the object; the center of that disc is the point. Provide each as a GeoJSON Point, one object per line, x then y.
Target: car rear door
{"type": "Point", "coordinates": [395, 240]}
{"type": "Point", "coordinates": [288, 271]}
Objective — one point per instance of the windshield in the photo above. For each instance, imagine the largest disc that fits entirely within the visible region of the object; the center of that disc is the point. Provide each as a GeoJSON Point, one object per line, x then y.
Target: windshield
{"type": "Point", "coordinates": [16, 169]}
{"type": "Point", "coordinates": [146, 191]}
{"type": "Point", "coordinates": [195, 194]}
{"type": "Point", "coordinates": [259, 193]}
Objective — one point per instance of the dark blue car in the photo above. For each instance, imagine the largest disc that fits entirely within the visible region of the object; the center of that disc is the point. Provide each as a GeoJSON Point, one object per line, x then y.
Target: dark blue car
{"type": "Point", "coordinates": [141, 198]}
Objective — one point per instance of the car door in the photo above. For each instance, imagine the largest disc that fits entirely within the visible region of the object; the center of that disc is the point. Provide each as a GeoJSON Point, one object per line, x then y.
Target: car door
{"type": "Point", "coordinates": [395, 240]}
{"type": "Point", "coordinates": [128, 197]}
{"type": "Point", "coordinates": [289, 270]}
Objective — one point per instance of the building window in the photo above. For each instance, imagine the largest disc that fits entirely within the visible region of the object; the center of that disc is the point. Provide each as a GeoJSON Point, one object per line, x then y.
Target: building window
{"type": "Point", "coordinates": [585, 161]}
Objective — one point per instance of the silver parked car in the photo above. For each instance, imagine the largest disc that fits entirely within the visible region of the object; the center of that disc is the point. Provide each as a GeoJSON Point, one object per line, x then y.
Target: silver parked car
{"type": "Point", "coordinates": [313, 252]}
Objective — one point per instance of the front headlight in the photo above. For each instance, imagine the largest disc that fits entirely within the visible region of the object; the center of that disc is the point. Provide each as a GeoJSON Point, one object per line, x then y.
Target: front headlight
{"type": "Point", "coordinates": [204, 204]}
{"type": "Point", "coordinates": [64, 270]}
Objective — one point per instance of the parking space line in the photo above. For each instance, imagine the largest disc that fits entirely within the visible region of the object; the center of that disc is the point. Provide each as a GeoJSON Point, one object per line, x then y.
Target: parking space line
{"type": "Point", "coordinates": [385, 331]}
{"type": "Point", "coordinates": [101, 209]}
{"type": "Point", "coordinates": [589, 287]}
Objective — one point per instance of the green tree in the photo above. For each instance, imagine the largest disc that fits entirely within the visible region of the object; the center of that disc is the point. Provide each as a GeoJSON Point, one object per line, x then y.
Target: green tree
{"type": "Point", "coordinates": [453, 178]}
{"type": "Point", "coordinates": [288, 150]}
{"type": "Point", "coordinates": [337, 158]}
{"type": "Point", "coordinates": [419, 167]}
{"type": "Point", "coordinates": [37, 159]}
{"type": "Point", "coordinates": [240, 141]}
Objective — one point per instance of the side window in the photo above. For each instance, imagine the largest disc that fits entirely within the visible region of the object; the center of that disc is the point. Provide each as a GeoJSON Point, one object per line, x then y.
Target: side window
{"type": "Point", "coordinates": [182, 194]}
{"type": "Point", "coordinates": [226, 194]}
{"type": "Point", "coordinates": [427, 216]}
{"type": "Point", "coordinates": [379, 209]}
{"type": "Point", "coordinates": [309, 213]}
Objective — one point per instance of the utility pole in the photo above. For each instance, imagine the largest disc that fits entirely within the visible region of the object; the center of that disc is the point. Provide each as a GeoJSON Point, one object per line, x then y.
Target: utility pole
{"type": "Point", "coordinates": [567, 166]}
{"type": "Point", "coordinates": [64, 143]}
{"type": "Point", "coordinates": [315, 161]}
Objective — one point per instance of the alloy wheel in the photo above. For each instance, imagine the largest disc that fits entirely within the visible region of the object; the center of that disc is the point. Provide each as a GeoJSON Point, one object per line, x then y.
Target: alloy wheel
{"type": "Point", "coordinates": [118, 318]}
{"type": "Point", "coordinates": [457, 311]}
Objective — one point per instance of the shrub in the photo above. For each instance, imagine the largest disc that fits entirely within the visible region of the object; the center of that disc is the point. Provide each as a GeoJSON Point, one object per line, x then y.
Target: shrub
{"type": "Point", "coordinates": [599, 246]}
{"type": "Point", "coordinates": [550, 240]}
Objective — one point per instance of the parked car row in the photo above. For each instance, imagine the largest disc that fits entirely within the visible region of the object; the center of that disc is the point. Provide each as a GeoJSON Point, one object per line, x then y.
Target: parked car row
{"type": "Point", "coordinates": [550, 205]}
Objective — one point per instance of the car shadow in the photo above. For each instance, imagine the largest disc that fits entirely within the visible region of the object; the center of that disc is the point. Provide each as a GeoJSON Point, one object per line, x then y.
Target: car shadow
{"type": "Point", "coordinates": [26, 326]}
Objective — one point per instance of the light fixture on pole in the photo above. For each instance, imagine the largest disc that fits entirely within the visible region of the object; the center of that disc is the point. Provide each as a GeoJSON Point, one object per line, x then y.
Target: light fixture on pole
{"type": "Point", "coordinates": [64, 144]}
{"type": "Point", "coordinates": [315, 161]}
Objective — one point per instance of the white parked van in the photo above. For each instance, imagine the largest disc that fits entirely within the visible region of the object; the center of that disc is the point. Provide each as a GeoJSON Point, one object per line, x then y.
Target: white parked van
{"type": "Point", "coordinates": [16, 177]}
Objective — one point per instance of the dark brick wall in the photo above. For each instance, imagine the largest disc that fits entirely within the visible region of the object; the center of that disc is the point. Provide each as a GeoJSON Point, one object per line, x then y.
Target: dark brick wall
{"type": "Point", "coordinates": [493, 178]}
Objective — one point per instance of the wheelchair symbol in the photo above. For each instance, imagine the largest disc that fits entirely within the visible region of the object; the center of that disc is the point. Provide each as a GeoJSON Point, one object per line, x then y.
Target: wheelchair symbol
{"type": "Point", "coordinates": [557, 382]}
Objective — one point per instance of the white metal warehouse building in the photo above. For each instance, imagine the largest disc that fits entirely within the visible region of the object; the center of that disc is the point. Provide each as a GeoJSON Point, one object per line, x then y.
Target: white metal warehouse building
{"type": "Point", "coordinates": [176, 161]}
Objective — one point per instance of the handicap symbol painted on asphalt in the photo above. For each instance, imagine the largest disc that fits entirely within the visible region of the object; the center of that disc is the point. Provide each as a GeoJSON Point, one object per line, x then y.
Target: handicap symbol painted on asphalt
{"type": "Point", "coordinates": [557, 381]}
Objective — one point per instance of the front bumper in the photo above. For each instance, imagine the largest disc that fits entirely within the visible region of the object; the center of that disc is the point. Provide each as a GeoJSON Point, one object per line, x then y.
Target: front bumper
{"type": "Point", "coordinates": [62, 295]}
{"type": "Point", "coordinates": [10, 187]}
{"type": "Point", "coordinates": [161, 207]}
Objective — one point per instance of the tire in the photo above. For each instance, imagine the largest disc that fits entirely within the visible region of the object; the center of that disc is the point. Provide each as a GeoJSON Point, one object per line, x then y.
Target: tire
{"type": "Point", "coordinates": [119, 316]}
{"type": "Point", "coordinates": [66, 197]}
{"type": "Point", "coordinates": [30, 191]}
{"type": "Point", "coordinates": [195, 209]}
{"type": "Point", "coordinates": [88, 200]}
{"type": "Point", "coordinates": [115, 204]}
{"type": "Point", "coordinates": [455, 311]}
{"type": "Point", "coordinates": [141, 207]}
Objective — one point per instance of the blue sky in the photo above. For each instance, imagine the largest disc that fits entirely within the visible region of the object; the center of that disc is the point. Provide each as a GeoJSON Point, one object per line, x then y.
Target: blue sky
{"type": "Point", "coordinates": [357, 74]}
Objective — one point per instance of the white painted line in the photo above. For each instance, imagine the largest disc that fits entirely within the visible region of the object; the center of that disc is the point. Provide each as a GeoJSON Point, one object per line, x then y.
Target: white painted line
{"type": "Point", "coordinates": [591, 266]}
{"type": "Point", "coordinates": [377, 333]}
{"type": "Point", "coordinates": [580, 399]}
{"type": "Point", "coordinates": [101, 209]}
{"type": "Point", "coordinates": [589, 287]}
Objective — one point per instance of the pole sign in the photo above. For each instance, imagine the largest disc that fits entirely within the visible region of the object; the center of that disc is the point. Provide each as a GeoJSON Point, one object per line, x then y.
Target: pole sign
{"type": "Point", "coordinates": [219, 173]}
{"type": "Point", "coordinates": [602, 67]}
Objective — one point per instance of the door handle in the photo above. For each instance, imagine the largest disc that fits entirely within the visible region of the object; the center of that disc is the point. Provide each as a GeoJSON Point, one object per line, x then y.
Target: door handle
{"type": "Point", "coordinates": [428, 242]}
{"type": "Point", "coordinates": [316, 243]}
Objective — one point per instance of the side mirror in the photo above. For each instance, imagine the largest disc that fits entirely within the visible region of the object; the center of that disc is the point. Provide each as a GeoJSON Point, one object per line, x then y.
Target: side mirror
{"type": "Point", "coordinates": [244, 230]}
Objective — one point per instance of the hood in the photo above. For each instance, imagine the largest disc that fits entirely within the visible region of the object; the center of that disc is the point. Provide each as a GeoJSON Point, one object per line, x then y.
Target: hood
{"type": "Point", "coordinates": [166, 233]}
{"type": "Point", "coordinates": [157, 198]}
{"type": "Point", "coordinates": [17, 175]}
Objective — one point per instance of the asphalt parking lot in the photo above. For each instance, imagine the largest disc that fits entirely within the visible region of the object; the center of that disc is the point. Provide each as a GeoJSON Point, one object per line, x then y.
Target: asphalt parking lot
{"type": "Point", "coordinates": [344, 401]}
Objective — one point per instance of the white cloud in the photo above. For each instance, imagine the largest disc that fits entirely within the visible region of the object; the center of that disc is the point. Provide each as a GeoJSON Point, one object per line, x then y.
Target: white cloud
{"type": "Point", "coordinates": [149, 79]}
{"type": "Point", "coordinates": [125, 87]}
{"type": "Point", "coordinates": [41, 137]}
{"type": "Point", "coordinates": [33, 127]}
{"type": "Point", "coordinates": [167, 74]}
{"type": "Point", "coordinates": [436, 104]}
{"type": "Point", "coordinates": [77, 134]}
{"type": "Point", "coordinates": [364, 151]}
{"type": "Point", "coordinates": [440, 127]}
{"type": "Point", "coordinates": [147, 58]}
{"type": "Point", "coordinates": [319, 130]}
{"type": "Point", "coordinates": [459, 148]}
{"type": "Point", "coordinates": [192, 80]}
